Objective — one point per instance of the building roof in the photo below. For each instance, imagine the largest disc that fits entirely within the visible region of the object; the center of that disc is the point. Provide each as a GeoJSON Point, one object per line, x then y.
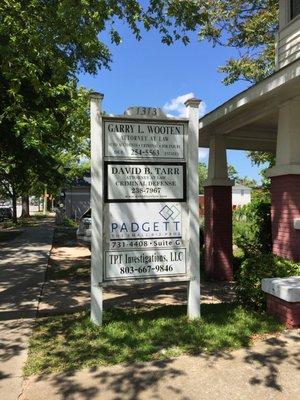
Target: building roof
{"type": "Point", "coordinates": [237, 186]}
{"type": "Point", "coordinates": [249, 120]}
{"type": "Point", "coordinates": [242, 187]}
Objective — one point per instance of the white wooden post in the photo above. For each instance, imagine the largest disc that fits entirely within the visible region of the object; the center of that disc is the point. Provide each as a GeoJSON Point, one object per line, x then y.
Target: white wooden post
{"type": "Point", "coordinates": [193, 309]}
{"type": "Point", "coordinates": [97, 208]}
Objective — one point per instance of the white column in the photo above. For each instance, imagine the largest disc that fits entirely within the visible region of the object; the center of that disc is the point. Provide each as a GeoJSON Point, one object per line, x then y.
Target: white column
{"type": "Point", "coordinates": [97, 208]}
{"type": "Point", "coordinates": [217, 163]}
{"type": "Point", "coordinates": [193, 309]}
{"type": "Point", "coordinates": [288, 140]}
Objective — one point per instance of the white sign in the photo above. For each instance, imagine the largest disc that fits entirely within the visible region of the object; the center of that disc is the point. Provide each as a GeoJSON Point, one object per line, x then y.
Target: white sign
{"type": "Point", "coordinates": [156, 243]}
{"type": "Point", "coordinates": [144, 225]}
{"type": "Point", "coordinates": [144, 197]}
{"type": "Point", "coordinates": [144, 220]}
{"type": "Point", "coordinates": [144, 264]}
{"type": "Point", "coordinates": [145, 182]}
{"type": "Point", "coordinates": [142, 140]}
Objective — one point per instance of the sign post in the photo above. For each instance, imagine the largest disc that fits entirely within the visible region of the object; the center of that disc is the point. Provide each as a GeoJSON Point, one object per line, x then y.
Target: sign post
{"type": "Point", "coordinates": [97, 208]}
{"type": "Point", "coordinates": [194, 249]}
{"type": "Point", "coordinates": [144, 200]}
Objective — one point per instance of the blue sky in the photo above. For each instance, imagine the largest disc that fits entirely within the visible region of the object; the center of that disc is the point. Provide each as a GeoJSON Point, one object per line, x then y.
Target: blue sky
{"type": "Point", "coordinates": [148, 73]}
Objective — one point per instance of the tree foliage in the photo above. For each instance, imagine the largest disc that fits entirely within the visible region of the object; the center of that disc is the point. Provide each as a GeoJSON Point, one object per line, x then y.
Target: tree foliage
{"type": "Point", "coordinates": [253, 270]}
{"type": "Point", "coordinates": [202, 171]}
{"type": "Point", "coordinates": [252, 227]}
{"type": "Point", "coordinates": [232, 174]}
{"type": "Point", "coordinates": [264, 160]}
{"type": "Point", "coordinates": [248, 26]}
{"type": "Point", "coordinates": [44, 44]}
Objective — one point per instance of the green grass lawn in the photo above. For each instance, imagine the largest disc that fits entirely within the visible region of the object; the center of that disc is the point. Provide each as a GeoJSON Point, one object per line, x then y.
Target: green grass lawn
{"type": "Point", "coordinates": [6, 236]}
{"type": "Point", "coordinates": [140, 334]}
{"type": "Point", "coordinates": [33, 220]}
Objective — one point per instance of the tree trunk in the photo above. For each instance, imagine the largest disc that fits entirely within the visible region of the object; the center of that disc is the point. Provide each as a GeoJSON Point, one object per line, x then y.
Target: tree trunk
{"type": "Point", "coordinates": [49, 203]}
{"type": "Point", "coordinates": [45, 200]}
{"type": "Point", "coordinates": [25, 206]}
{"type": "Point", "coordinates": [14, 204]}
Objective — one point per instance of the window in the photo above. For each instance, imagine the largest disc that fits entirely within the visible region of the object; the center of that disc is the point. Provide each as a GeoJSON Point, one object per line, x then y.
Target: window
{"type": "Point", "coordinates": [295, 8]}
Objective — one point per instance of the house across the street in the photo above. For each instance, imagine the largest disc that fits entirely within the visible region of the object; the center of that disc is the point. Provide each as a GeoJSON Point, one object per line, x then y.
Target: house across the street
{"type": "Point", "coordinates": [241, 195]}
{"type": "Point", "coordinates": [77, 198]}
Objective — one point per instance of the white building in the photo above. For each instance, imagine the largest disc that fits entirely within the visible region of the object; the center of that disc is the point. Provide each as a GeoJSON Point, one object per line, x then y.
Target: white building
{"type": "Point", "coordinates": [77, 198]}
{"type": "Point", "coordinates": [241, 195]}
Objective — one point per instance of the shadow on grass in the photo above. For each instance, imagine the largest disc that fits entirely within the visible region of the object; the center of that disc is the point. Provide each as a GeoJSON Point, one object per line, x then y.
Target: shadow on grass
{"type": "Point", "coordinates": [23, 222]}
{"type": "Point", "coordinates": [71, 270]}
{"type": "Point", "coordinates": [140, 334]}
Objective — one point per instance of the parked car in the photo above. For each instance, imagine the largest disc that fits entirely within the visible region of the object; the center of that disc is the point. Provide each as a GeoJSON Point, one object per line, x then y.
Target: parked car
{"type": "Point", "coordinates": [84, 231]}
{"type": "Point", "coordinates": [5, 213]}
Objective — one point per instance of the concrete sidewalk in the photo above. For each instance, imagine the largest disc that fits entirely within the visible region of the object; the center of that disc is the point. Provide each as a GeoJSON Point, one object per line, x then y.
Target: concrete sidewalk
{"type": "Point", "coordinates": [268, 370]}
{"type": "Point", "coordinates": [23, 264]}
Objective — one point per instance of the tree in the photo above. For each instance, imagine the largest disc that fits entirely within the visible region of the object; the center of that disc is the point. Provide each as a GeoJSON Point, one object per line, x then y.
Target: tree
{"type": "Point", "coordinates": [44, 161]}
{"type": "Point", "coordinates": [248, 26]}
{"type": "Point", "coordinates": [232, 174]}
{"type": "Point", "coordinates": [265, 159]}
{"type": "Point", "coordinates": [43, 46]}
{"type": "Point", "coordinates": [202, 171]}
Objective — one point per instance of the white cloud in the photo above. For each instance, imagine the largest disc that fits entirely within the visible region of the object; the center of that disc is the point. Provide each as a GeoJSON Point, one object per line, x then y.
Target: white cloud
{"type": "Point", "coordinates": [202, 154]}
{"type": "Point", "coordinates": [202, 109]}
{"type": "Point", "coordinates": [176, 107]}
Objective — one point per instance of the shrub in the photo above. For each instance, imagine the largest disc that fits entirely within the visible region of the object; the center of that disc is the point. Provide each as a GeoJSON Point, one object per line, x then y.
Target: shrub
{"type": "Point", "coordinates": [252, 227]}
{"type": "Point", "coordinates": [253, 270]}
{"type": "Point", "coordinates": [69, 223]}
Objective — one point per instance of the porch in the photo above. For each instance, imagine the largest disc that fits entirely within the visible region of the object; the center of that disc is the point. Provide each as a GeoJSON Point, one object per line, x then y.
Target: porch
{"type": "Point", "coordinates": [265, 117]}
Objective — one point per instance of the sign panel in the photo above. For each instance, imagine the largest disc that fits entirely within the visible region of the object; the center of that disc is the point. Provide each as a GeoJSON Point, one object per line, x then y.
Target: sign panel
{"type": "Point", "coordinates": [122, 244]}
{"type": "Point", "coordinates": [142, 140]}
{"type": "Point", "coordinates": [144, 225]}
{"type": "Point", "coordinates": [137, 264]}
{"type": "Point", "coordinates": [149, 182]}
